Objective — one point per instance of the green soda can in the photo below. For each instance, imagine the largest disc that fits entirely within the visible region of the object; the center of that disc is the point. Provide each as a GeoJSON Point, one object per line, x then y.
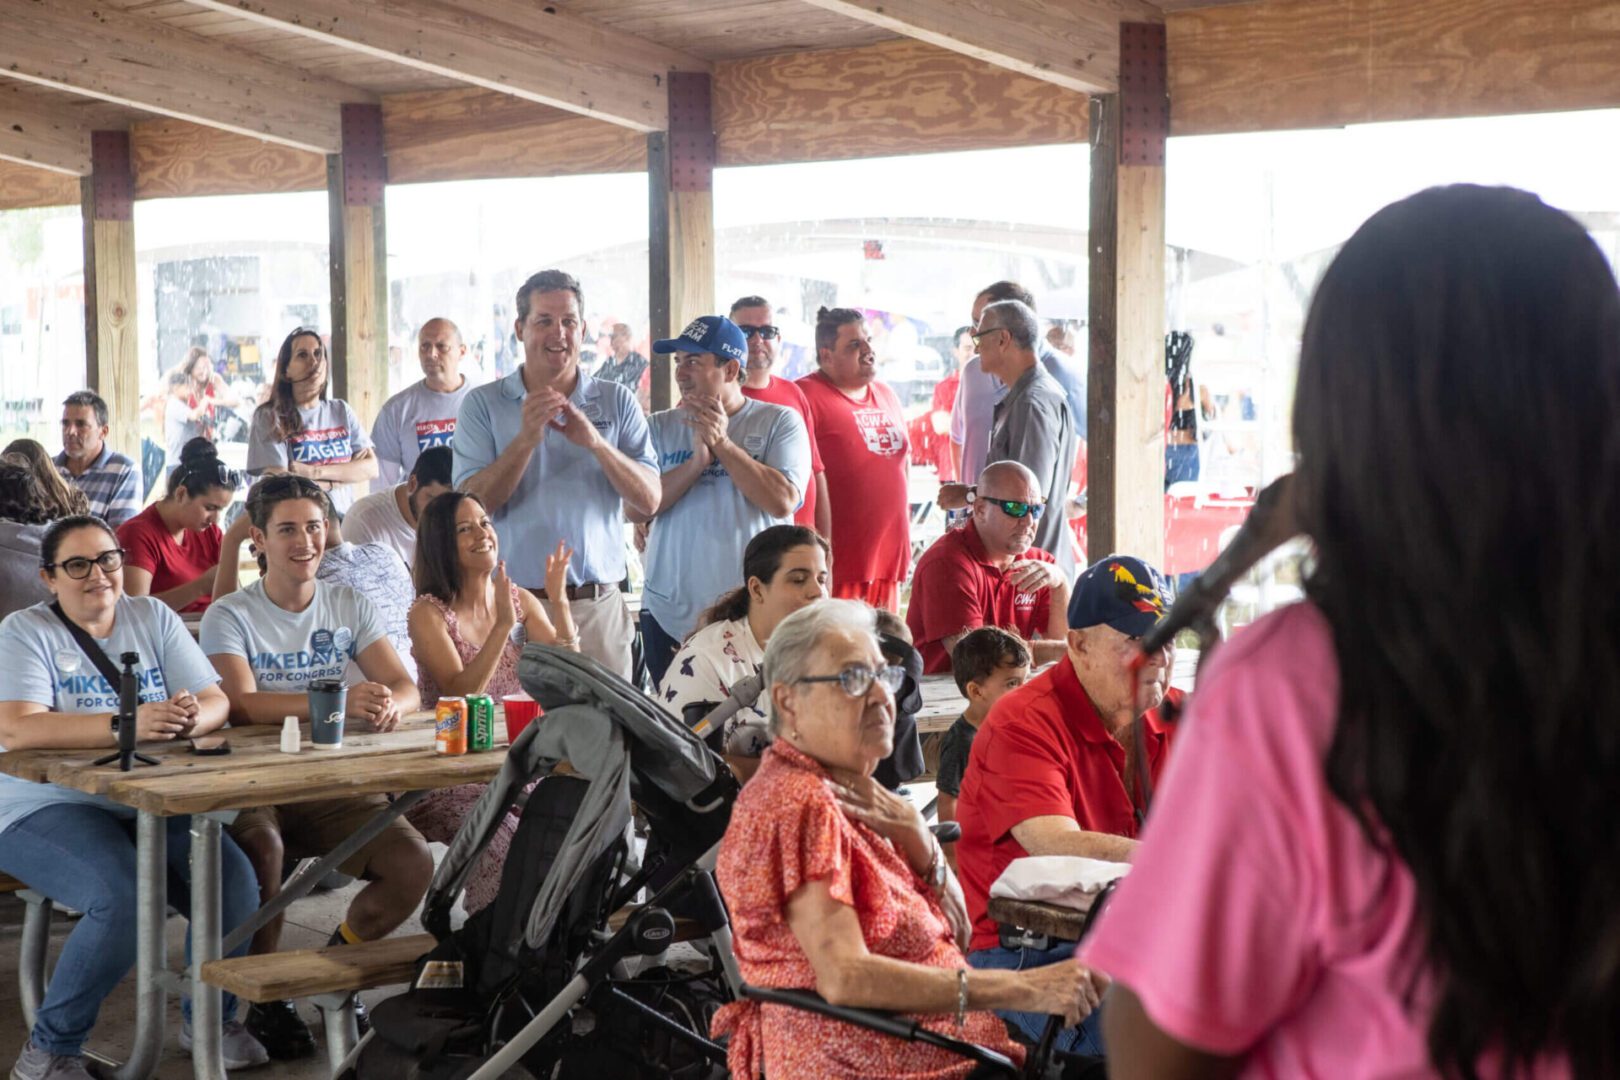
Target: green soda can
{"type": "Point", "coordinates": [480, 722]}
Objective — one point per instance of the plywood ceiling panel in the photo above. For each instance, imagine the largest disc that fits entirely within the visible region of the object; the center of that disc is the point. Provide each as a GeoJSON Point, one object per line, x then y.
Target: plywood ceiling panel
{"type": "Point", "coordinates": [729, 29]}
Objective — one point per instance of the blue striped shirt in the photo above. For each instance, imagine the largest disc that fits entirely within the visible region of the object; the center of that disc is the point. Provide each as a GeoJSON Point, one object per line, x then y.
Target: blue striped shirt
{"type": "Point", "coordinates": [112, 484]}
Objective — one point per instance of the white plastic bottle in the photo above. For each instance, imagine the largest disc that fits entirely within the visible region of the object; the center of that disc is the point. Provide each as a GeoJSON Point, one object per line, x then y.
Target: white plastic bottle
{"type": "Point", "coordinates": [291, 741]}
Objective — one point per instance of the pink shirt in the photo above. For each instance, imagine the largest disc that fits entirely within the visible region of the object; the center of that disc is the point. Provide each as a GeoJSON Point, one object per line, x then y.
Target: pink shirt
{"type": "Point", "coordinates": [1257, 919]}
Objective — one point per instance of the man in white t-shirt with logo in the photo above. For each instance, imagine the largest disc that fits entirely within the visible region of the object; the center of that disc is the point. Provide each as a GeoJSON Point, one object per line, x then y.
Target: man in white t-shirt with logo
{"type": "Point", "coordinates": [423, 414]}
{"type": "Point", "coordinates": [389, 517]}
{"type": "Point", "coordinates": [730, 466]}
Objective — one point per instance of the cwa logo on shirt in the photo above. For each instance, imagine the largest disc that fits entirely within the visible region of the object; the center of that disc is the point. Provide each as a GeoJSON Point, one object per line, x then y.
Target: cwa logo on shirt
{"type": "Point", "coordinates": [431, 433]}
{"type": "Point", "coordinates": [1024, 601]}
{"type": "Point", "coordinates": [324, 445]}
{"type": "Point", "coordinates": [78, 691]}
{"type": "Point", "coordinates": [883, 436]}
{"type": "Point", "coordinates": [328, 655]}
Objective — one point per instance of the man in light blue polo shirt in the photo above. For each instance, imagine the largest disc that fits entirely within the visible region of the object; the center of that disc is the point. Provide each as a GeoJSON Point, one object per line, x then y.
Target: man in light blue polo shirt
{"type": "Point", "coordinates": [731, 466]}
{"type": "Point", "coordinates": [557, 455]}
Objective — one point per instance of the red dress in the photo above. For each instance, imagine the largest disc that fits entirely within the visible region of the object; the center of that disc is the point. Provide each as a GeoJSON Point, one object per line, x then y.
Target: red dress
{"type": "Point", "coordinates": [786, 830]}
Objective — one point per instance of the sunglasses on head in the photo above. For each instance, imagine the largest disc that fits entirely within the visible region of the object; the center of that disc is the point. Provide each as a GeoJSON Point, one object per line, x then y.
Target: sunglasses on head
{"type": "Point", "coordinates": [766, 333]}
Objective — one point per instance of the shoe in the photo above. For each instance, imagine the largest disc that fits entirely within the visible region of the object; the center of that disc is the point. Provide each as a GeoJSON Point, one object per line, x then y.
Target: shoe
{"type": "Point", "coordinates": [239, 1049]}
{"type": "Point", "coordinates": [36, 1064]}
{"type": "Point", "coordinates": [278, 1028]}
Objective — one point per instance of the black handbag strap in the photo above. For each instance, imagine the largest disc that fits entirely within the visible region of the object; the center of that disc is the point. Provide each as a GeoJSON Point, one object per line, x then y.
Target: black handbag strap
{"type": "Point", "coordinates": [99, 658]}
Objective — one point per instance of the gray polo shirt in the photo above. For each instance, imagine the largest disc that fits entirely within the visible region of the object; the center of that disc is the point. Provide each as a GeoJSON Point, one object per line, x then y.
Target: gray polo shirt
{"type": "Point", "coordinates": [563, 493]}
{"type": "Point", "coordinates": [1032, 426]}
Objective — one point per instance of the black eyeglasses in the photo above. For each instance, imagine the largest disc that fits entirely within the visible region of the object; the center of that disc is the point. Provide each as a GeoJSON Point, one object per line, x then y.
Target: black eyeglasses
{"type": "Point", "coordinates": [857, 679]}
{"type": "Point", "coordinates": [766, 333]}
{"type": "Point", "coordinates": [78, 567]}
{"type": "Point", "coordinates": [977, 334]}
{"type": "Point", "coordinates": [1015, 509]}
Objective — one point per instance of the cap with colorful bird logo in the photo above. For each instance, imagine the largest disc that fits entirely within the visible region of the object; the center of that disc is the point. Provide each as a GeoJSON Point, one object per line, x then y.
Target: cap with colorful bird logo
{"type": "Point", "coordinates": [1122, 592]}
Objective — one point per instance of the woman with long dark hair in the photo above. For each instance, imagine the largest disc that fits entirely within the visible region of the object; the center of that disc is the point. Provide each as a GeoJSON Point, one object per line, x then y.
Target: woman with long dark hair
{"type": "Point", "coordinates": [302, 431]}
{"type": "Point", "coordinates": [1387, 845]}
{"type": "Point", "coordinates": [172, 547]}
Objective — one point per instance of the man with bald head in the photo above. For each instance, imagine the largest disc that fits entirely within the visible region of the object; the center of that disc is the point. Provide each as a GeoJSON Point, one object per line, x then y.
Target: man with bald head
{"type": "Point", "coordinates": [423, 414]}
{"type": "Point", "coordinates": [986, 573]}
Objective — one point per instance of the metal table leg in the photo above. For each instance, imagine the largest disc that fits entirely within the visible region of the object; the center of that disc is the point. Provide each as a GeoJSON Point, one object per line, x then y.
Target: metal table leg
{"type": "Point", "coordinates": [151, 911]}
{"type": "Point", "coordinates": [207, 1061]}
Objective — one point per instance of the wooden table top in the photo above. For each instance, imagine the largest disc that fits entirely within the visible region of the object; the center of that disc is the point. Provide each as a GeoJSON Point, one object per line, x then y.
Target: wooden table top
{"type": "Point", "coordinates": [942, 703]}
{"type": "Point", "coordinates": [257, 773]}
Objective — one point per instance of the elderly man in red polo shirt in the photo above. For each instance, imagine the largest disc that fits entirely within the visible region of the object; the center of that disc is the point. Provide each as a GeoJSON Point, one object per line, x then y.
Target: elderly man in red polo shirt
{"type": "Point", "coordinates": [1058, 767]}
{"type": "Point", "coordinates": [985, 573]}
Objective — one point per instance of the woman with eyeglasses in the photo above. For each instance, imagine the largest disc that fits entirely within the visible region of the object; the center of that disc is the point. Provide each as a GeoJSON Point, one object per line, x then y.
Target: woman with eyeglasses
{"type": "Point", "coordinates": [79, 849]}
{"type": "Point", "coordinates": [172, 547]}
{"type": "Point", "coordinates": [836, 885]}
{"type": "Point", "coordinates": [300, 430]}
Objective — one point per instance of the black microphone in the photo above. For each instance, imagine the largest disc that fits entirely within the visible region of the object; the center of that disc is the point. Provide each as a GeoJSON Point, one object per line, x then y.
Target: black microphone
{"type": "Point", "coordinates": [1269, 525]}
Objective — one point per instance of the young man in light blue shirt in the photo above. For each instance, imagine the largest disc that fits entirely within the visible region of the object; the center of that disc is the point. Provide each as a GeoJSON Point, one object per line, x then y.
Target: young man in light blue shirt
{"type": "Point", "coordinates": [557, 455]}
{"type": "Point", "coordinates": [732, 466]}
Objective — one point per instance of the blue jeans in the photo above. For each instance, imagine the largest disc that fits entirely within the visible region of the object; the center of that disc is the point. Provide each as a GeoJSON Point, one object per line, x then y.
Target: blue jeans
{"type": "Point", "coordinates": [1180, 463]}
{"type": "Point", "coordinates": [658, 649]}
{"type": "Point", "coordinates": [1085, 1038]}
{"type": "Point", "coordinates": [84, 858]}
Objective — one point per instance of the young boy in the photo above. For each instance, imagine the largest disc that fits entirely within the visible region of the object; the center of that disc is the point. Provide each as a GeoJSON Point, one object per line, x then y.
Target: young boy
{"type": "Point", "coordinates": [987, 663]}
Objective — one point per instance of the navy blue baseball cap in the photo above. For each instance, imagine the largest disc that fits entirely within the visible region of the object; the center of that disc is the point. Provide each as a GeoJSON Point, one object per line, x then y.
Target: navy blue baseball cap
{"type": "Point", "coordinates": [1121, 592]}
{"type": "Point", "coordinates": [714, 334]}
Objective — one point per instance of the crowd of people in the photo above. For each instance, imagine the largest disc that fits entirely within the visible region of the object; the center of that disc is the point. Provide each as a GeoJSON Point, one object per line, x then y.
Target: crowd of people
{"type": "Point", "coordinates": [1313, 894]}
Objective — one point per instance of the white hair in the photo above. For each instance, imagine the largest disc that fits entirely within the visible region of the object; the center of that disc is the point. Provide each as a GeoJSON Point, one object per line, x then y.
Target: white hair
{"type": "Point", "coordinates": [796, 638]}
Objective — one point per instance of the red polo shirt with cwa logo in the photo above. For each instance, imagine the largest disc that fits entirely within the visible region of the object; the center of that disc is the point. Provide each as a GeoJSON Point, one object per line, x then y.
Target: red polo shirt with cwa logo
{"type": "Point", "coordinates": [1042, 752]}
{"type": "Point", "coordinates": [956, 587]}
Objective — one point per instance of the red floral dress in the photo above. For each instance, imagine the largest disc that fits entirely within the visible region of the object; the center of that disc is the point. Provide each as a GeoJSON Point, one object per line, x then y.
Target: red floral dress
{"type": "Point", "coordinates": [786, 830]}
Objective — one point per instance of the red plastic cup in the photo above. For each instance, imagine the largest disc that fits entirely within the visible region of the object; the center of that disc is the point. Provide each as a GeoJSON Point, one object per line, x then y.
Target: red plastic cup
{"type": "Point", "coordinates": [520, 710]}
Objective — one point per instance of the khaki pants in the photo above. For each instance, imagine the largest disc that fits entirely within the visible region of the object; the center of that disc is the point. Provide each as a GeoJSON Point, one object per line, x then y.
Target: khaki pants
{"type": "Point", "coordinates": [606, 631]}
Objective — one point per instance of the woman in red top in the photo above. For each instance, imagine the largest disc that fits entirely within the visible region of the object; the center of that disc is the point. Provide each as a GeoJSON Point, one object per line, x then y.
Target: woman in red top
{"type": "Point", "coordinates": [836, 885]}
{"type": "Point", "coordinates": [171, 549]}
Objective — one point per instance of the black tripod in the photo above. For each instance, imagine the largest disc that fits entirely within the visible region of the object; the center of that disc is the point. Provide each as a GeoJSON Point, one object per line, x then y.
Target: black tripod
{"type": "Point", "coordinates": [129, 700]}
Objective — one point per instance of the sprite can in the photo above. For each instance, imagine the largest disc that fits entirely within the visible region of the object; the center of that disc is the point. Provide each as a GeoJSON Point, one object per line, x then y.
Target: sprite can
{"type": "Point", "coordinates": [480, 722]}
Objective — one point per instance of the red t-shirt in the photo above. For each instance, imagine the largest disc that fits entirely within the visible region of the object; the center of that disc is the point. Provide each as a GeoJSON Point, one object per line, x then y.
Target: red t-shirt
{"type": "Point", "coordinates": [863, 446]}
{"type": "Point", "coordinates": [1043, 751]}
{"type": "Point", "coordinates": [148, 545]}
{"type": "Point", "coordinates": [786, 393]}
{"type": "Point", "coordinates": [958, 588]}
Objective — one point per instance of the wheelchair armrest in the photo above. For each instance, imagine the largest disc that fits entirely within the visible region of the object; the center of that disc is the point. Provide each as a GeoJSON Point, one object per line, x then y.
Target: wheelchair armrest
{"type": "Point", "coordinates": [947, 832]}
{"type": "Point", "coordinates": [886, 1023]}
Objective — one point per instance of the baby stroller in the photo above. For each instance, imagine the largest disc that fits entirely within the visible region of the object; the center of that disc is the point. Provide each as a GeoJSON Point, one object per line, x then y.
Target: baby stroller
{"type": "Point", "coordinates": [541, 978]}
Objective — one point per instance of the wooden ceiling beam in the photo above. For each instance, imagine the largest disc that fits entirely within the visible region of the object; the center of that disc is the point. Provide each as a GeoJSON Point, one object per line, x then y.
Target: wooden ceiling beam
{"type": "Point", "coordinates": [512, 46]}
{"type": "Point", "coordinates": [1073, 43]}
{"type": "Point", "coordinates": [103, 52]}
{"type": "Point", "coordinates": [44, 134]}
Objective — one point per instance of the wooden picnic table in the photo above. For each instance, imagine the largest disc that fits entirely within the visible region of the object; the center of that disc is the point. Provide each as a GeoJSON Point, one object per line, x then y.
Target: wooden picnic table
{"type": "Point", "coordinates": [210, 789]}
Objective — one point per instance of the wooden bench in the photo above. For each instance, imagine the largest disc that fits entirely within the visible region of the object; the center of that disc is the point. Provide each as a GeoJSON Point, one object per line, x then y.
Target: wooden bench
{"type": "Point", "coordinates": [10, 884]}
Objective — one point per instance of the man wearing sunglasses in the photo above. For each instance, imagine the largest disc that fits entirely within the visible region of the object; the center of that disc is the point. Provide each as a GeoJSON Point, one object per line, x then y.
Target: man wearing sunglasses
{"type": "Point", "coordinates": [752, 314]}
{"type": "Point", "coordinates": [1066, 764]}
{"type": "Point", "coordinates": [1032, 425]}
{"type": "Point", "coordinates": [986, 573]}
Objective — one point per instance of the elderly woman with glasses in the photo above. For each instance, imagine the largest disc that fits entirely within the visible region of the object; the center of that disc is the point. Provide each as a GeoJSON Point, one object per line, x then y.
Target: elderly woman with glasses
{"type": "Point", "coordinates": [79, 849]}
{"type": "Point", "coordinates": [836, 885]}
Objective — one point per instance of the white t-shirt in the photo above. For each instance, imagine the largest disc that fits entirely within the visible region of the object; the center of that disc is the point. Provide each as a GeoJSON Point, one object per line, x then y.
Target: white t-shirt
{"type": "Point", "coordinates": [332, 435]}
{"type": "Point", "coordinates": [707, 666]}
{"type": "Point", "coordinates": [289, 649]}
{"type": "Point", "coordinates": [410, 422]}
{"type": "Point", "coordinates": [695, 548]}
{"type": "Point", "coordinates": [46, 666]}
{"type": "Point", "coordinates": [375, 519]}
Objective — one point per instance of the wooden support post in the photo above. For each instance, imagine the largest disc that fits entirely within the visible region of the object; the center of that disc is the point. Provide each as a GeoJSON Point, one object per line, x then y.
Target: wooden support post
{"type": "Point", "coordinates": [680, 221]}
{"type": "Point", "coordinates": [112, 361]}
{"type": "Point", "coordinates": [355, 180]}
{"type": "Point", "coordinates": [1125, 407]}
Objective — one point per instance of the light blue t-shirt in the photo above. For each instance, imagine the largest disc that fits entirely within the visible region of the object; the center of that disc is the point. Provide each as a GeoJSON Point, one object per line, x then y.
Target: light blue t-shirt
{"type": "Point", "coordinates": [695, 548]}
{"type": "Point", "coordinates": [332, 435]}
{"type": "Point", "coordinates": [46, 666]}
{"type": "Point", "coordinates": [289, 649]}
{"type": "Point", "coordinates": [563, 493]}
{"type": "Point", "coordinates": [979, 392]}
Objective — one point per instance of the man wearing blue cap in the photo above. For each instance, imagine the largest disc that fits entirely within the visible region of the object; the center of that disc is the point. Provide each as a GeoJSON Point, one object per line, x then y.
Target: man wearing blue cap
{"type": "Point", "coordinates": [1066, 764]}
{"type": "Point", "coordinates": [730, 467]}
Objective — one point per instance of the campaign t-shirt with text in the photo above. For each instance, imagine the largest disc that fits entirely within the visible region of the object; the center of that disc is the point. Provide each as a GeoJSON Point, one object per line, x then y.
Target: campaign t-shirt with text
{"type": "Point", "coordinates": [289, 649]}
{"type": "Point", "coordinates": [413, 420]}
{"type": "Point", "coordinates": [332, 435]}
{"type": "Point", "coordinates": [45, 665]}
